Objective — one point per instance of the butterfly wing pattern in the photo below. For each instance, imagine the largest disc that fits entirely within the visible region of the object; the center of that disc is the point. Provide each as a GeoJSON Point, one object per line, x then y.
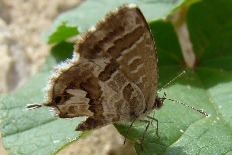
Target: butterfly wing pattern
{"type": "Point", "coordinates": [113, 74]}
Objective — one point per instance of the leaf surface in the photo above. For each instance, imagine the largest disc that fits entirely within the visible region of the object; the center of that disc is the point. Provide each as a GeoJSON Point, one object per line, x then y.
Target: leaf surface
{"type": "Point", "coordinates": [208, 86]}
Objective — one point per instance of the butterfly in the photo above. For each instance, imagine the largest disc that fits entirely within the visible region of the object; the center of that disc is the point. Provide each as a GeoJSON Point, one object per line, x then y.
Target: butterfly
{"type": "Point", "coordinates": [113, 75]}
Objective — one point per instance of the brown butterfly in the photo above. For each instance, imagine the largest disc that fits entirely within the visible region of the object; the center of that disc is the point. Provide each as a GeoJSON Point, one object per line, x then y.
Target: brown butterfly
{"type": "Point", "coordinates": [113, 75]}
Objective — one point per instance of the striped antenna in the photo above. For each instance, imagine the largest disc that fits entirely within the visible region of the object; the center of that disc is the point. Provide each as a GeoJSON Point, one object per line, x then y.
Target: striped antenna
{"type": "Point", "coordinates": [181, 74]}
{"type": "Point", "coordinates": [200, 111]}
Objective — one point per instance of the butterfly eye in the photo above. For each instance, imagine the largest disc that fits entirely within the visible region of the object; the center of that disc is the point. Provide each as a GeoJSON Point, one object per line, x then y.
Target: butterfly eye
{"type": "Point", "coordinates": [58, 99]}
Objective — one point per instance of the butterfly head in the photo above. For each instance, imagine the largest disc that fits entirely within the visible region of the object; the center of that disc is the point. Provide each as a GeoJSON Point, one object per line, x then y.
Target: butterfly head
{"type": "Point", "coordinates": [159, 101]}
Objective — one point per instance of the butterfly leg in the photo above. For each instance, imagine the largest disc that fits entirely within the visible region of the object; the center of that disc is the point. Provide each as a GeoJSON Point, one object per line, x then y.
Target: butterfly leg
{"type": "Point", "coordinates": [128, 129]}
{"type": "Point", "coordinates": [157, 124]}
{"type": "Point", "coordinates": [145, 131]}
{"type": "Point", "coordinates": [152, 118]}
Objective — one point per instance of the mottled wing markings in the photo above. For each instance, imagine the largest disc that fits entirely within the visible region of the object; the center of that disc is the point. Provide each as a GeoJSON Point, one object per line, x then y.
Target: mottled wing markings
{"type": "Point", "coordinates": [113, 74]}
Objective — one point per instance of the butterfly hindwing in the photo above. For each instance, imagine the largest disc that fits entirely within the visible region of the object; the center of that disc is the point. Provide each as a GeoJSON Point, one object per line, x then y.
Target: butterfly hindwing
{"type": "Point", "coordinates": [112, 75]}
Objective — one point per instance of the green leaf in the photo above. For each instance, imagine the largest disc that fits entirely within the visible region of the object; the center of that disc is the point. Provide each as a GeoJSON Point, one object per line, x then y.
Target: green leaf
{"type": "Point", "coordinates": [208, 86]}
{"type": "Point", "coordinates": [62, 32]}
{"type": "Point", "coordinates": [36, 131]}
{"type": "Point", "coordinates": [91, 11]}
{"type": "Point", "coordinates": [210, 32]}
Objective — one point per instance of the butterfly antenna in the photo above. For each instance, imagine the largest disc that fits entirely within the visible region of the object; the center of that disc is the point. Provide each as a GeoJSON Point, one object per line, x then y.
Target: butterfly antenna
{"type": "Point", "coordinates": [200, 111]}
{"type": "Point", "coordinates": [181, 74]}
